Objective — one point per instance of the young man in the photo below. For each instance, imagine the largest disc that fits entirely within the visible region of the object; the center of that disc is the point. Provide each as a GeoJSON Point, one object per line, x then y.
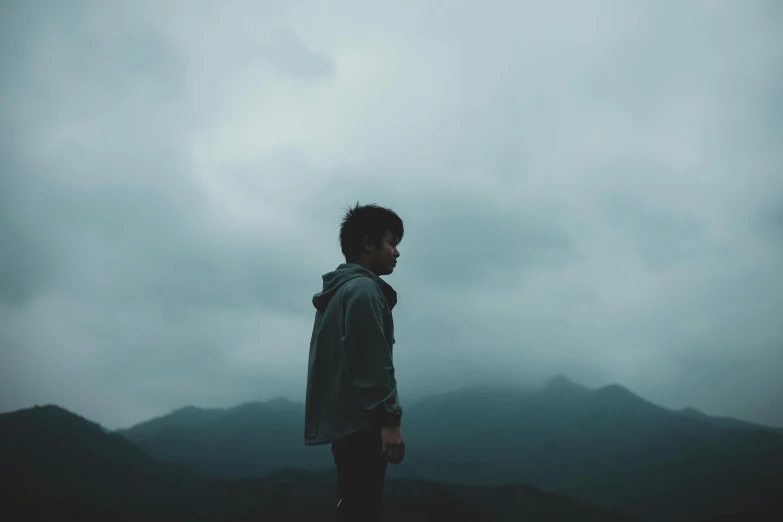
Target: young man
{"type": "Point", "coordinates": [352, 400]}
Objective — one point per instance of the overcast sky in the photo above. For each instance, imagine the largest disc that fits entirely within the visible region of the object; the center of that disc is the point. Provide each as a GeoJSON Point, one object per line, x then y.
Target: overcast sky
{"type": "Point", "coordinates": [592, 188]}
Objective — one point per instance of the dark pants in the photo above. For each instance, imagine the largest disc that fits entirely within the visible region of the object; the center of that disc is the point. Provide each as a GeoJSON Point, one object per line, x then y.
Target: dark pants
{"type": "Point", "coordinates": [361, 473]}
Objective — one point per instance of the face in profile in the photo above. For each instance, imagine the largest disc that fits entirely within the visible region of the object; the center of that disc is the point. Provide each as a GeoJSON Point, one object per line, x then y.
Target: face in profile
{"type": "Point", "coordinates": [385, 254]}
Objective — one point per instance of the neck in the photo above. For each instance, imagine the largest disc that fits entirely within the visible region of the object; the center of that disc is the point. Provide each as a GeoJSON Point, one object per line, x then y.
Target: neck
{"type": "Point", "coordinates": [364, 263]}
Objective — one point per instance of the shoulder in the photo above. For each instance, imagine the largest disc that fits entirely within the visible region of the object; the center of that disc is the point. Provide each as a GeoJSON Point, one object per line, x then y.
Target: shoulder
{"type": "Point", "coordinates": [363, 298]}
{"type": "Point", "coordinates": [362, 286]}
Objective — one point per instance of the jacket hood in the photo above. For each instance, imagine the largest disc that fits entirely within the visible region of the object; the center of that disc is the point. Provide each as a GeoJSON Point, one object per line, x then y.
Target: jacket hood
{"type": "Point", "coordinates": [332, 281]}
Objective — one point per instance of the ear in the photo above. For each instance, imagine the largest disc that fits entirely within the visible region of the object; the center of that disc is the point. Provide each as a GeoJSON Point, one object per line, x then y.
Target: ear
{"type": "Point", "coordinates": [367, 245]}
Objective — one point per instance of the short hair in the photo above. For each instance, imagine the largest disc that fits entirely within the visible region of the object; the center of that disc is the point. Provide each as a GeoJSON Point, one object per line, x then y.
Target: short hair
{"type": "Point", "coordinates": [371, 221]}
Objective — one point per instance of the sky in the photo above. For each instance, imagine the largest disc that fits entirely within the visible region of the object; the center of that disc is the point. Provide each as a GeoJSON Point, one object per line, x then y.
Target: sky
{"type": "Point", "coordinates": [592, 189]}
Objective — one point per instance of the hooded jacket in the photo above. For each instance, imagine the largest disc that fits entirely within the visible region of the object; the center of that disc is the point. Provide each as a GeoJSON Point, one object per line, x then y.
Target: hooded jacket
{"type": "Point", "coordinates": [350, 375]}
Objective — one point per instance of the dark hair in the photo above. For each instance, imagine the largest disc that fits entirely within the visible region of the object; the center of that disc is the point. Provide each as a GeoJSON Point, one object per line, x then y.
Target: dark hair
{"type": "Point", "coordinates": [369, 221]}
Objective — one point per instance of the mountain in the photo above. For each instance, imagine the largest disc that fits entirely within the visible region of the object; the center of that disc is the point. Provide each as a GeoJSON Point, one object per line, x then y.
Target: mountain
{"type": "Point", "coordinates": [725, 422]}
{"type": "Point", "coordinates": [62, 466]}
{"type": "Point", "coordinates": [57, 467]}
{"type": "Point", "coordinates": [607, 446]}
{"type": "Point", "coordinates": [249, 440]}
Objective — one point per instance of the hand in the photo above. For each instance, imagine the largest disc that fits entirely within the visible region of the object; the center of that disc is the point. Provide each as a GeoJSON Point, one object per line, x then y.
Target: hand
{"type": "Point", "coordinates": [393, 444]}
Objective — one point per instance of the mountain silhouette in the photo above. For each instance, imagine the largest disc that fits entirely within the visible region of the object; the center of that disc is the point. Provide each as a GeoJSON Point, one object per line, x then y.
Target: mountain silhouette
{"type": "Point", "coordinates": [57, 466]}
{"type": "Point", "coordinates": [607, 446]}
{"type": "Point", "coordinates": [54, 462]}
{"type": "Point", "coordinates": [249, 440]}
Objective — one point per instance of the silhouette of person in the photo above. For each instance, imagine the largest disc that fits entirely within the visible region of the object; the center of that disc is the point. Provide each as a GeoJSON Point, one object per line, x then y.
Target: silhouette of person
{"type": "Point", "coordinates": [352, 401]}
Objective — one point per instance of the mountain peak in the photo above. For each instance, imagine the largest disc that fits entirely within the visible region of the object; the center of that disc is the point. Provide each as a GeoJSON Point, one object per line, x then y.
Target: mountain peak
{"type": "Point", "coordinates": [561, 382]}
{"type": "Point", "coordinates": [40, 409]}
{"type": "Point", "coordinates": [615, 390]}
{"type": "Point", "coordinates": [53, 415]}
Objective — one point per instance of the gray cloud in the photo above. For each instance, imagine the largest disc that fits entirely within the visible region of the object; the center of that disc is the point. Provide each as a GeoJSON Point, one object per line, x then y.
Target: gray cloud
{"type": "Point", "coordinates": [580, 195]}
{"type": "Point", "coordinates": [469, 242]}
{"type": "Point", "coordinates": [290, 55]}
{"type": "Point", "coordinates": [663, 238]}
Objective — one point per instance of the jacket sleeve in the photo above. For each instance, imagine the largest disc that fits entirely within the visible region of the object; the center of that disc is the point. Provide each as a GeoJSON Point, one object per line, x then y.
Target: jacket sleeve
{"type": "Point", "coordinates": [368, 354]}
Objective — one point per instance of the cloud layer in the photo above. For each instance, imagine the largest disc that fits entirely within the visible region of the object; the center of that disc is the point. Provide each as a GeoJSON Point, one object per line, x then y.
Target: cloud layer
{"type": "Point", "coordinates": [594, 190]}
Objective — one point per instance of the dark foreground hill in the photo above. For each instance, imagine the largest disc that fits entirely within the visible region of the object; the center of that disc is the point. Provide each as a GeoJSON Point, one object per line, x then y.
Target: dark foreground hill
{"type": "Point", "coordinates": [56, 466]}
{"type": "Point", "coordinates": [604, 446]}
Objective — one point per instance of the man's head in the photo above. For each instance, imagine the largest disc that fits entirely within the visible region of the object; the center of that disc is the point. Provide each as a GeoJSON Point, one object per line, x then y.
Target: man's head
{"type": "Point", "coordinates": [369, 236]}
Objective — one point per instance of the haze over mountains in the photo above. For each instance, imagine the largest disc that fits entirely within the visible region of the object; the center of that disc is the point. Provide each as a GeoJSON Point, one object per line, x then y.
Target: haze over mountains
{"type": "Point", "coordinates": [602, 447]}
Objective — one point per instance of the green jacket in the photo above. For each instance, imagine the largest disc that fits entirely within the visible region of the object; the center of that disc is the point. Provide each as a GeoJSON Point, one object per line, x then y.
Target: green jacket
{"type": "Point", "coordinates": [350, 374]}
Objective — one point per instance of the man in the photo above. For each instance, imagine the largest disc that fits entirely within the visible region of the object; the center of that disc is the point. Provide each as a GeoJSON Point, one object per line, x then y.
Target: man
{"type": "Point", "coordinates": [352, 400]}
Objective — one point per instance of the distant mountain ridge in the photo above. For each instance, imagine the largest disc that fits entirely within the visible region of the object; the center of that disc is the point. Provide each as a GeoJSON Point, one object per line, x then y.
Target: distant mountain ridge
{"type": "Point", "coordinates": [56, 466]}
{"type": "Point", "coordinates": [559, 383]}
{"type": "Point", "coordinates": [604, 445]}
{"type": "Point", "coordinates": [248, 440]}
